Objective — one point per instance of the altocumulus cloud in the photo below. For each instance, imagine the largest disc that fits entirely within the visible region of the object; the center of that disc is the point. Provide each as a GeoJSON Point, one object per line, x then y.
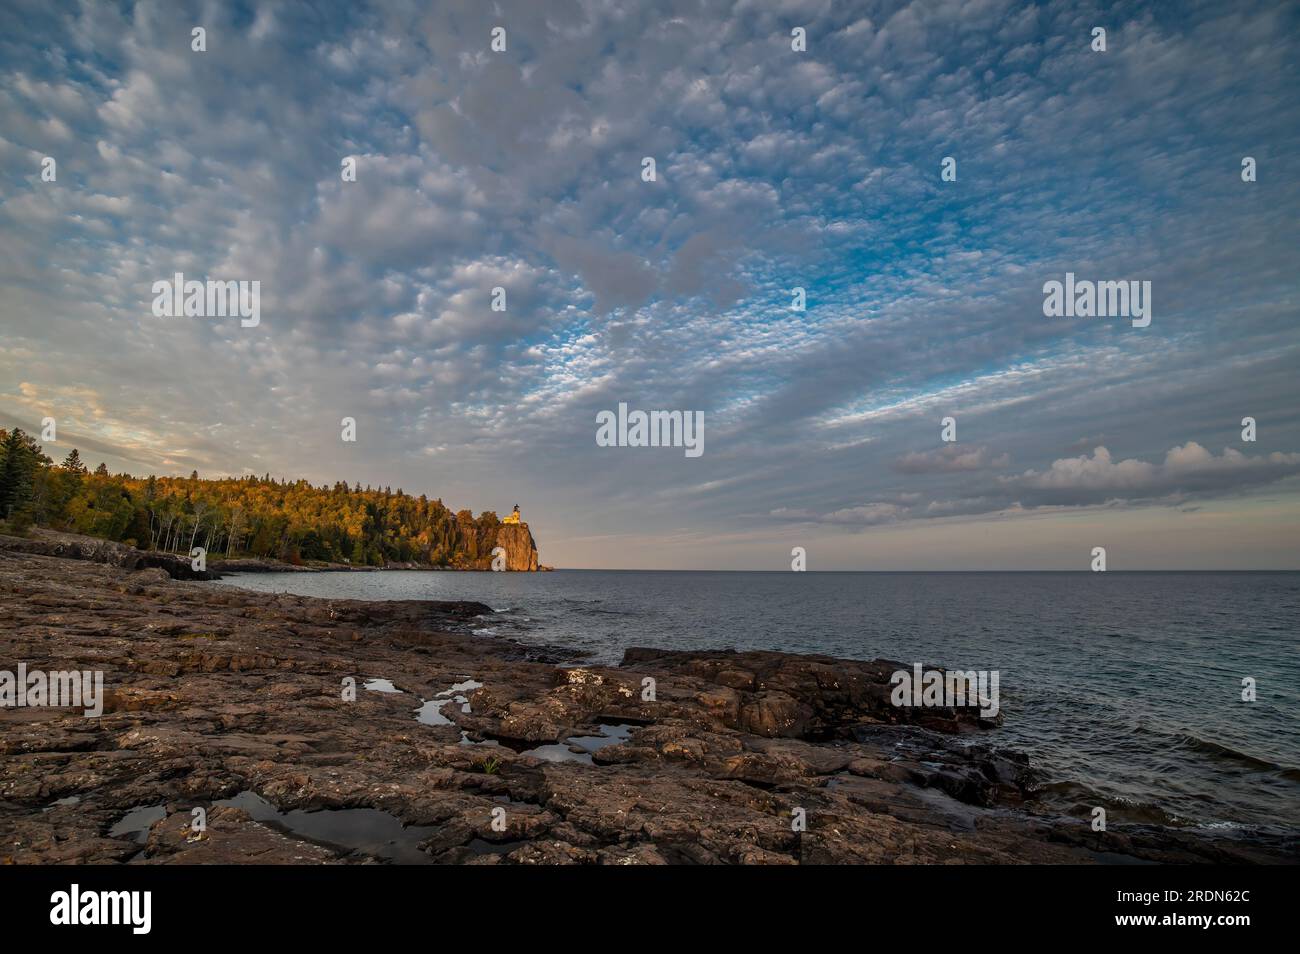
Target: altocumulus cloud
{"type": "Point", "coordinates": [950, 459]}
{"type": "Point", "coordinates": [521, 170]}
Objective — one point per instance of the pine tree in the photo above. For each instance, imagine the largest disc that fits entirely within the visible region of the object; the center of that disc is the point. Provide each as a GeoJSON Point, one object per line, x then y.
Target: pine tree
{"type": "Point", "coordinates": [72, 463]}
{"type": "Point", "coordinates": [102, 469]}
{"type": "Point", "coordinates": [17, 466]}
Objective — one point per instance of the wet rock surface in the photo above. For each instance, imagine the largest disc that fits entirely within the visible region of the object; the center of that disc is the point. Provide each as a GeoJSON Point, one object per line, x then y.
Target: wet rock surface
{"type": "Point", "coordinates": [234, 702]}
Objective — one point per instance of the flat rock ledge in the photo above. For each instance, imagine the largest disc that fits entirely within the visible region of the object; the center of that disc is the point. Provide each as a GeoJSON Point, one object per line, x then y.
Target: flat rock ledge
{"type": "Point", "coordinates": [233, 701]}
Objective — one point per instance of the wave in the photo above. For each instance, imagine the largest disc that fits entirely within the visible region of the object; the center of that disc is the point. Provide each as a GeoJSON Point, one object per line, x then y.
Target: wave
{"type": "Point", "coordinates": [1220, 751]}
{"type": "Point", "coordinates": [1078, 800]}
{"type": "Point", "coordinates": [1230, 754]}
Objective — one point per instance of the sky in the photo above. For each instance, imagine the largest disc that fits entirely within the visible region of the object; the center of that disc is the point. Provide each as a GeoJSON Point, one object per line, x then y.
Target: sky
{"type": "Point", "coordinates": [775, 168]}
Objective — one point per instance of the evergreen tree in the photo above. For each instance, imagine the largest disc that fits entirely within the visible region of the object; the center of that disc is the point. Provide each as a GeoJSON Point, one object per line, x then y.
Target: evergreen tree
{"type": "Point", "coordinates": [20, 460]}
{"type": "Point", "coordinates": [72, 463]}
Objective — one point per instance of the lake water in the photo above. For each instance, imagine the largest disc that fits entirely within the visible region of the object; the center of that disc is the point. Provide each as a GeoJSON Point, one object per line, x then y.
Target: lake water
{"type": "Point", "coordinates": [1124, 688]}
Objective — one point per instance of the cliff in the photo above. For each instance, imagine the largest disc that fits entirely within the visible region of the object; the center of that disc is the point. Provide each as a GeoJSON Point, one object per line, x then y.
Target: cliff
{"type": "Point", "coordinates": [521, 549]}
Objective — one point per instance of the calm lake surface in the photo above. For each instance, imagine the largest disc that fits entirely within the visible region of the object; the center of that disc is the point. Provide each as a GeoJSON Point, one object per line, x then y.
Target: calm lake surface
{"type": "Point", "coordinates": [1124, 688]}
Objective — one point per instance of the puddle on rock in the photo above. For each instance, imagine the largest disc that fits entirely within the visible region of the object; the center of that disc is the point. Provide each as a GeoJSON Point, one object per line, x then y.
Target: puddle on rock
{"type": "Point", "coordinates": [610, 735]}
{"type": "Point", "coordinates": [557, 752]}
{"type": "Point", "coordinates": [136, 823]}
{"type": "Point", "coordinates": [457, 692]}
{"type": "Point", "coordinates": [362, 831]}
{"type": "Point", "coordinates": [469, 685]}
{"type": "Point", "coordinates": [429, 711]}
{"type": "Point", "coordinates": [564, 751]}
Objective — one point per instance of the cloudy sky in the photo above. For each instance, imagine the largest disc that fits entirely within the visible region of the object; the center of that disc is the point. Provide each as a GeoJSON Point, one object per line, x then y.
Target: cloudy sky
{"type": "Point", "coordinates": [775, 168]}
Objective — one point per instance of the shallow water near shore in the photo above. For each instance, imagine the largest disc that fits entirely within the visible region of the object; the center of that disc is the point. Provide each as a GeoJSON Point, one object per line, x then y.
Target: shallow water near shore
{"type": "Point", "coordinates": [1124, 688]}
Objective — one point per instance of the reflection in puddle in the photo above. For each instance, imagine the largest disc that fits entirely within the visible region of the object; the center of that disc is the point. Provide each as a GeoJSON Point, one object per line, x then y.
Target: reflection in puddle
{"type": "Point", "coordinates": [430, 710]}
{"type": "Point", "coordinates": [430, 713]}
{"type": "Point", "coordinates": [457, 693]}
{"type": "Point", "coordinates": [366, 831]}
{"type": "Point", "coordinates": [469, 685]}
{"type": "Point", "coordinates": [136, 823]}
{"type": "Point", "coordinates": [610, 735]}
{"type": "Point", "coordinates": [558, 752]}
{"type": "Point", "coordinates": [563, 752]}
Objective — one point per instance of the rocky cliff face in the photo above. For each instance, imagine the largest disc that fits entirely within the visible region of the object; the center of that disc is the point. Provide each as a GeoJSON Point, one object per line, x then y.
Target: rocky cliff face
{"type": "Point", "coordinates": [521, 549]}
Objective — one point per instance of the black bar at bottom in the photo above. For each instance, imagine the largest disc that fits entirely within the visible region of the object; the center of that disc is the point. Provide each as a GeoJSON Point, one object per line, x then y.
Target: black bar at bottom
{"type": "Point", "coordinates": [913, 904]}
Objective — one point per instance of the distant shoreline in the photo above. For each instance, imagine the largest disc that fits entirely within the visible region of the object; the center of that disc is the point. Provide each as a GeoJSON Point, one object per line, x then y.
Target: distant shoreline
{"type": "Point", "coordinates": [226, 567]}
{"type": "Point", "coordinates": [100, 550]}
{"type": "Point", "coordinates": [236, 566]}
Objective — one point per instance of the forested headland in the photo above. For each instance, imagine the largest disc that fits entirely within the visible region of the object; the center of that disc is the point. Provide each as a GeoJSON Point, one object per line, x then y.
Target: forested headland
{"type": "Point", "coordinates": [260, 517]}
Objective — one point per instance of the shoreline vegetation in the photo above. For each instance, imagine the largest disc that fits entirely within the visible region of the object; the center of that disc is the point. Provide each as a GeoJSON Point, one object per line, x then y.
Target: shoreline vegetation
{"type": "Point", "coordinates": [478, 750]}
{"type": "Point", "coordinates": [251, 522]}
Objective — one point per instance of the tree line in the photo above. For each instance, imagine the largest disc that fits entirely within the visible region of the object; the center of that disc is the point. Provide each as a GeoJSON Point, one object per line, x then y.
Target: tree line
{"type": "Point", "coordinates": [236, 516]}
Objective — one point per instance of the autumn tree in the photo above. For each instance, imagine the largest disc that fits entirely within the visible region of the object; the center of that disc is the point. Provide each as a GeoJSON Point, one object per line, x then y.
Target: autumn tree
{"type": "Point", "coordinates": [256, 516]}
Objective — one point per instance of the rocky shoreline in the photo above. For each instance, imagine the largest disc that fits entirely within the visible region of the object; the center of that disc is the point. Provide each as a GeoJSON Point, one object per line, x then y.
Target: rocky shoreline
{"type": "Point", "coordinates": [465, 749]}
